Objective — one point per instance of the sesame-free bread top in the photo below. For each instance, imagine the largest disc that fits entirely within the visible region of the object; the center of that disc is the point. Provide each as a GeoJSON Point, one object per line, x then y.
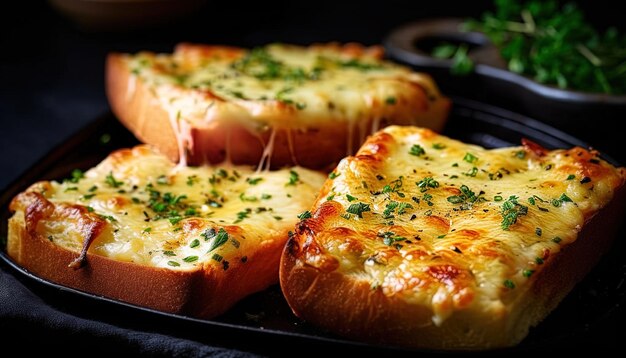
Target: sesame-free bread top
{"type": "Point", "coordinates": [424, 241]}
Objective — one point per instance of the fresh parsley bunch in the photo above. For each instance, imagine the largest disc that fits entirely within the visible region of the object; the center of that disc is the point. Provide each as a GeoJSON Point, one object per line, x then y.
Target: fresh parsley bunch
{"type": "Point", "coordinates": [550, 43]}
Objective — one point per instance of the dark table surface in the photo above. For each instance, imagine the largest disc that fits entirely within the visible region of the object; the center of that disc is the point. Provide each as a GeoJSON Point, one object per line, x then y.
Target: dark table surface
{"type": "Point", "coordinates": [52, 84]}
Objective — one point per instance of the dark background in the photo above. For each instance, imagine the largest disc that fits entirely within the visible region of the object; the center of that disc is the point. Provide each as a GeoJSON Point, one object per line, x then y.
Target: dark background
{"type": "Point", "coordinates": [52, 71]}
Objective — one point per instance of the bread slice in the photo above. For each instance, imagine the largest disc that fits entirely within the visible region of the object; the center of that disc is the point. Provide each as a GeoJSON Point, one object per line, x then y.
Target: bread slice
{"type": "Point", "coordinates": [278, 104]}
{"type": "Point", "coordinates": [179, 239]}
{"type": "Point", "coordinates": [423, 241]}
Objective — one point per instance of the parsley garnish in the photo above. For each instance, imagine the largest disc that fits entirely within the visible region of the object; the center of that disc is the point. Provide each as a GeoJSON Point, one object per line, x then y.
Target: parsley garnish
{"type": "Point", "coordinates": [417, 150]}
{"type": "Point", "coordinates": [470, 158]}
{"type": "Point", "coordinates": [253, 181]}
{"type": "Point", "coordinates": [550, 42]}
{"type": "Point", "coordinates": [467, 198]}
{"type": "Point", "coordinates": [427, 183]}
{"type": "Point", "coordinates": [220, 239]}
{"type": "Point", "coordinates": [439, 146]}
{"type": "Point", "coordinates": [358, 209]}
{"type": "Point", "coordinates": [294, 177]}
{"type": "Point", "coordinates": [304, 215]}
{"type": "Point", "coordinates": [390, 100]}
{"type": "Point", "coordinates": [110, 181]}
{"type": "Point", "coordinates": [77, 175]}
{"type": "Point", "coordinates": [509, 284]}
{"type": "Point", "coordinates": [511, 211]}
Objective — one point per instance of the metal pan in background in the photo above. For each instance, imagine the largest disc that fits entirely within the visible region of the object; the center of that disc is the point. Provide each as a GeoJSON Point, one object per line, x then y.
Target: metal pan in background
{"type": "Point", "coordinates": [590, 116]}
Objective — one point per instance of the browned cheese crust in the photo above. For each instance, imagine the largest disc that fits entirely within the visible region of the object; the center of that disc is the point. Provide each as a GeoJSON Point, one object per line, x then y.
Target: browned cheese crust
{"type": "Point", "coordinates": [450, 274]}
{"type": "Point", "coordinates": [139, 253]}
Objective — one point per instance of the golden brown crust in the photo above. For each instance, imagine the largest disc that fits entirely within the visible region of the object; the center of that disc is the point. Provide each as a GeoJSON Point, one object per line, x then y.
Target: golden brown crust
{"type": "Point", "coordinates": [137, 107]}
{"type": "Point", "coordinates": [188, 240]}
{"type": "Point", "coordinates": [341, 304]}
{"type": "Point", "coordinates": [198, 292]}
{"type": "Point", "coordinates": [327, 269]}
{"type": "Point", "coordinates": [318, 146]}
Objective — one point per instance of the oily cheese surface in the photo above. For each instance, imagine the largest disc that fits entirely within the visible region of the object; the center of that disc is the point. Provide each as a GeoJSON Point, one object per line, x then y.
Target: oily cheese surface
{"type": "Point", "coordinates": [455, 229]}
{"type": "Point", "coordinates": [165, 216]}
{"type": "Point", "coordinates": [283, 86]}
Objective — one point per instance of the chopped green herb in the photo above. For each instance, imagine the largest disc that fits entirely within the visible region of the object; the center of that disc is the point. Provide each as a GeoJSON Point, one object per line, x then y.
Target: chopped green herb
{"type": "Point", "coordinates": [190, 258]}
{"type": "Point", "coordinates": [350, 197]}
{"type": "Point", "coordinates": [472, 172]}
{"type": "Point", "coordinates": [403, 206]}
{"type": "Point", "coordinates": [439, 146]}
{"type": "Point", "coordinates": [470, 158]}
{"type": "Point", "coordinates": [528, 273]}
{"type": "Point", "coordinates": [521, 154]}
{"type": "Point", "coordinates": [427, 183]}
{"type": "Point", "coordinates": [242, 215]}
{"type": "Point", "coordinates": [110, 181]}
{"type": "Point", "coordinates": [173, 263]}
{"type": "Point", "coordinates": [417, 150]}
{"type": "Point", "coordinates": [266, 196]}
{"type": "Point", "coordinates": [390, 100]}
{"type": "Point", "coordinates": [509, 284]}
{"type": "Point", "coordinates": [497, 198]}
{"type": "Point", "coordinates": [556, 239]}
{"type": "Point", "coordinates": [333, 175]}
{"type": "Point", "coordinates": [220, 239]}
{"type": "Point", "coordinates": [192, 179]}
{"type": "Point", "coordinates": [358, 209]}
{"type": "Point", "coordinates": [253, 181]}
{"type": "Point", "coordinates": [194, 243]}
{"type": "Point", "coordinates": [294, 177]}
{"type": "Point", "coordinates": [571, 177]}
{"type": "Point", "coordinates": [147, 230]}
{"type": "Point", "coordinates": [77, 175]}
{"type": "Point", "coordinates": [169, 253]}
{"type": "Point", "coordinates": [511, 211]}
{"type": "Point", "coordinates": [304, 215]}
{"type": "Point", "coordinates": [539, 260]}
{"type": "Point", "coordinates": [538, 231]}
{"type": "Point", "coordinates": [243, 197]}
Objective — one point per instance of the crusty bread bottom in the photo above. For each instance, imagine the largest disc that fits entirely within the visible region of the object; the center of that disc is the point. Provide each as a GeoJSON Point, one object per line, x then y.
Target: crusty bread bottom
{"type": "Point", "coordinates": [350, 307]}
{"type": "Point", "coordinates": [196, 293]}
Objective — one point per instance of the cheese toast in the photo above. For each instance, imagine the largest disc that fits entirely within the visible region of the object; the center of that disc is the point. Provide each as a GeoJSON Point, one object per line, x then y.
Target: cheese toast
{"type": "Point", "coordinates": [424, 241]}
{"type": "Point", "coordinates": [275, 105]}
{"type": "Point", "coordinates": [137, 228]}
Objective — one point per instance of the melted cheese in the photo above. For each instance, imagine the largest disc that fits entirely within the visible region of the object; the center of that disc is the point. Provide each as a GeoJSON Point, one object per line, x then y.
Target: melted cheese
{"type": "Point", "coordinates": [284, 87]}
{"type": "Point", "coordinates": [405, 221]}
{"type": "Point", "coordinates": [170, 216]}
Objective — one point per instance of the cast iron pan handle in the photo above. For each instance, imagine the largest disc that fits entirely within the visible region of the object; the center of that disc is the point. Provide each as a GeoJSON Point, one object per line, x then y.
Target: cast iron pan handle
{"type": "Point", "coordinates": [412, 44]}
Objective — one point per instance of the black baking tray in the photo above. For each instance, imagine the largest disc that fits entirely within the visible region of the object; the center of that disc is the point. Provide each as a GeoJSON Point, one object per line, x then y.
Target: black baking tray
{"type": "Point", "coordinates": [591, 315]}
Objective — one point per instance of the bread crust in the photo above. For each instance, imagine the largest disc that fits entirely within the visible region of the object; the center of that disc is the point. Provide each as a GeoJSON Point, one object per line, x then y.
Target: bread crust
{"type": "Point", "coordinates": [323, 288]}
{"type": "Point", "coordinates": [341, 304]}
{"type": "Point", "coordinates": [201, 292]}
{"type": "Point", "coordinates": [110, 231]}
{"type": "Point", "coordinates": [313, 146]}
